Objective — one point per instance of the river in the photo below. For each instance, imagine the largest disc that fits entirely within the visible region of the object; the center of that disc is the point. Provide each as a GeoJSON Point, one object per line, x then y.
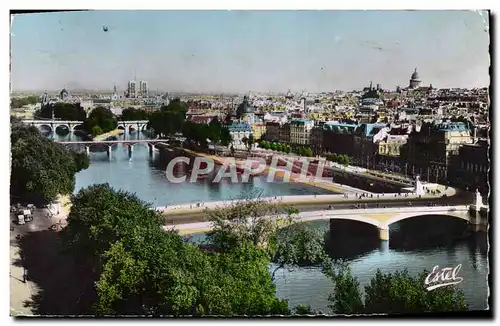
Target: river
{"type": "Point", "coordinates": [146, 177]}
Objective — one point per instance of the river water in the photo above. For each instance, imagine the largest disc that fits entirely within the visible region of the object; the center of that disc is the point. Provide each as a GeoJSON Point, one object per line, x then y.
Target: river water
{"type": "Point", "coordinates": [146, 177]}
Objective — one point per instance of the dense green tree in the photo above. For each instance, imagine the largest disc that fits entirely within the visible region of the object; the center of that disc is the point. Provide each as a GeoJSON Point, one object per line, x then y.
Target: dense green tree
{"type": "Point", "coordinates": [401, 293]}
{"type": "Point", "coordinates": [250, 142]}
{"type": "Point", "coordinates": [20, 102]}
{"type": "Point", "coordinates": [170, 119]}
{"type": "Point", "coordinates": [132, 114]}
{"type": "Point", "coordinates": [41, 169]}
{"type": "Point", "coordinates": [101, 117]}
{"type": "Point", "coordinates": [390, 293]}
{"type": "Point", "coordinates": [272, 227]}
{"type": "Point", "coordinates": [346, 296]}
{"type": "Point", "coordinates": [82, 161]}
{"type": "Point", "coordinates": [63, 111]}
{"type": "Point", "coordinates": [141, 269]}
{"type": "Point", "coordinates": [225, 136]}
{"type": "Point", "coordinates": [96, 131]}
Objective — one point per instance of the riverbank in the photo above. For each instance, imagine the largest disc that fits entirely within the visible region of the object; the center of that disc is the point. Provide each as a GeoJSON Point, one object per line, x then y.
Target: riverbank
{"type": "Point", "coordinates": [109, 134]}
{"type": "Point", "coordinates": [313, 182]}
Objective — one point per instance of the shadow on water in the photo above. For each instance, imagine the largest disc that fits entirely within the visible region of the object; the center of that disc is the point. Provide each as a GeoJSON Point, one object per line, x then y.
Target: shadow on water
{"type": "Point", "coordinates": [64, 286]}
{"type": "Point", "coordinates": [429, 232]}
{"type": "Point", "coordinates": [350, 239]}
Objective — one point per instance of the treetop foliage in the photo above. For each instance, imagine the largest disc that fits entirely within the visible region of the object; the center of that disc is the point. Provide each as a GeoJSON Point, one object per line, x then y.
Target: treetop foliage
{"type": "Point", "coordinates": [41, 169]}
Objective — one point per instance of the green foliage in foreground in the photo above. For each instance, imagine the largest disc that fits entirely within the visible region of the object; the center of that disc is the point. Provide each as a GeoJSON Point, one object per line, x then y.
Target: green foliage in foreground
{"type": "Point", "coordinates": [41, 169]}
{"type": "Point", "coordinates": [391, 293]}
{"type": "Point", "coordinates": [139, 268]}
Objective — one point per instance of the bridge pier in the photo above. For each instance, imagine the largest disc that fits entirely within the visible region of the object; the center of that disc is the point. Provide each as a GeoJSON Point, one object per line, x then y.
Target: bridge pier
{"type": "Point", "coordinates": [383, 233]}
{"type": "Point", "coordinates": [108, 151]}
{"type": "Point", "coordinates": [87, 150]}
{"type": "Point", "coordinates": [478, 218]}
{"type": "Point", "coordinates": [130, 150]}
{"type": "Point", "coordinates": [151, 148]}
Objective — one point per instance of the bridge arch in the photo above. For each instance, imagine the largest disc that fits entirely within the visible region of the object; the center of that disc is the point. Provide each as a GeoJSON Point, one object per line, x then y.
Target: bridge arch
{"type": "Point", "coordinates": [462, 215]}
{"type": "Point", "coordinates": [56, 126]}
{"type": "Point", "coordinates": [46, 125]}
{"type": "Point", "coordinates": [76, 127]}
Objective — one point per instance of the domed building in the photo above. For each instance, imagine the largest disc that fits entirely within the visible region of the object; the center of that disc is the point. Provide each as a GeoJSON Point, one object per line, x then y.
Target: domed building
{"type": "Point", "coordinates": [63, 94]}
{"type": "Point", "coordinates": [246, 112]}
{"type": "Point", "coordinates": [415, 81]}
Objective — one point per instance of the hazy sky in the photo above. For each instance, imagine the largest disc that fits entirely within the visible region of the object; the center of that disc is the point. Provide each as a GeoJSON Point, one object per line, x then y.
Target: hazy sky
{"type": "Point", "coordinates": [240, 51]}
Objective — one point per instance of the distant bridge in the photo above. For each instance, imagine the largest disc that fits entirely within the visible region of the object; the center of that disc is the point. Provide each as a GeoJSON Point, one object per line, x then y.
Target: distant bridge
{"type": "Point", "coordinates": [151, 143]}
{"type": "Point", "coordinates": [54, 124]}
{"type": "Point", "coordinates": [138, 125]}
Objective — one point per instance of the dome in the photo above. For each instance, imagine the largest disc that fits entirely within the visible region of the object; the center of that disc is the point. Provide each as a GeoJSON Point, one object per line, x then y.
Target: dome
{"type": "Point", "coordinates": [414, 76]}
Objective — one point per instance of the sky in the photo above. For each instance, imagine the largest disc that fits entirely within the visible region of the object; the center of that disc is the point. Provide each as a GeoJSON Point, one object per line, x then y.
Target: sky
{"type": "Point", "coordinates": [242, 51]}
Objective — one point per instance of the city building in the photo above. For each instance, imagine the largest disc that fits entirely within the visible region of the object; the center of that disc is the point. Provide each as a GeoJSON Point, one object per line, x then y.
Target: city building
{"type": "Point", "coordinates": [338, 138]}
{"type": "Point", "coordinates": [430, 150]}
{"type": "Point", "coordinates": [316, 139]}
{"type": "Point", "coordinates": [143, 88]}
{"type": "Point", "coordinates": [469, 169]}
{"type": "Point", "coordinates": [245, 112]}
{"type": "Point", "coordinates": [258, 130]}
{"type": "Point", "coordinates": [63, 94]}
{"type": "Point", "coordinates": [300, 131]}
{"type": "Point", "coordinates": [132, 89]}
{"type": "Point", "coordinates": [389, 152]}
{"type": "Point", "coordinates": [239, 131]}
{"type": "Point", "coordinates": [273, 130]}
{"type": "Point", "coordinates": [415, 80]}
{"type": "Point", "coordinates": [365, 145]}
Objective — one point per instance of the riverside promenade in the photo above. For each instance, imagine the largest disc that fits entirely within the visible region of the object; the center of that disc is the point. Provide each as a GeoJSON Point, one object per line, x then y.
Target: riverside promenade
{"type": "Point", "coordinates": [22, 288]}
{"type": "Point", "coordinates": [322, 183]}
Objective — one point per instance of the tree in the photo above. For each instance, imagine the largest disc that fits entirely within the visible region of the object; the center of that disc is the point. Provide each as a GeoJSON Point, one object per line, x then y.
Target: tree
{"type": "Point", "coordinates": [170, 119]}
{"type": "Point", "coordinates": [272, 227]}
{"type": "Point", "coordinates": [82, 161]}
{"type": "Point", "coordinates": [132, 114]}
{"type": "Point", "coordinates": [346, 160]}
{"type": "Point", "coordinates": [402, 293]}
{"type": "Point", "coordinates": [63, 111]}
{"type": "Point", "coordinates": [225, 136]}
{"type": "Point", "coordinates": [139, 268]}
{"type": "Point", "coordinates": [41, 169]}
{"type": "Point", "coordinates": [346, 296]}
{"type": "Point", "coordinates": [101, 117]}
{"type": "Point", "coordinates": [390, 293]}
{"type": "Point", "coordinates": [96, 131]}
{"type": "Point", "coordinates": [20, 102]}
{"type": "Point", "coordinates": [250, 142]}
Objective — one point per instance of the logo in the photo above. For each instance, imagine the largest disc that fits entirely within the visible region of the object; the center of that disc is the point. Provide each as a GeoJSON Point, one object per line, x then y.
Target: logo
{"type": "Point", "coordinates": [443, 277]}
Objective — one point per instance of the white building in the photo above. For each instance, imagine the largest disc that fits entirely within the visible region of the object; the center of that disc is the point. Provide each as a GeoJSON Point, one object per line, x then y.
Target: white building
{"type": "Point", "coordinates": [238, 132]}
{"type": "Point", "coordinates": [300, 131]}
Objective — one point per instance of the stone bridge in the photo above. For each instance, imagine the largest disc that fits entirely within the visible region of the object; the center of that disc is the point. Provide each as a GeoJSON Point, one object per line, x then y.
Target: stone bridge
{"type": "Point", "coordinates": [54, 124]}
{"type": "Point", "coordinates": [475, 214]}
{"type": "Point", "coordinates": [381, 218]}
{"type": "Point", "coordinates": [150, 143]}
{"type": "Point", "coordinates": [138, 125]}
